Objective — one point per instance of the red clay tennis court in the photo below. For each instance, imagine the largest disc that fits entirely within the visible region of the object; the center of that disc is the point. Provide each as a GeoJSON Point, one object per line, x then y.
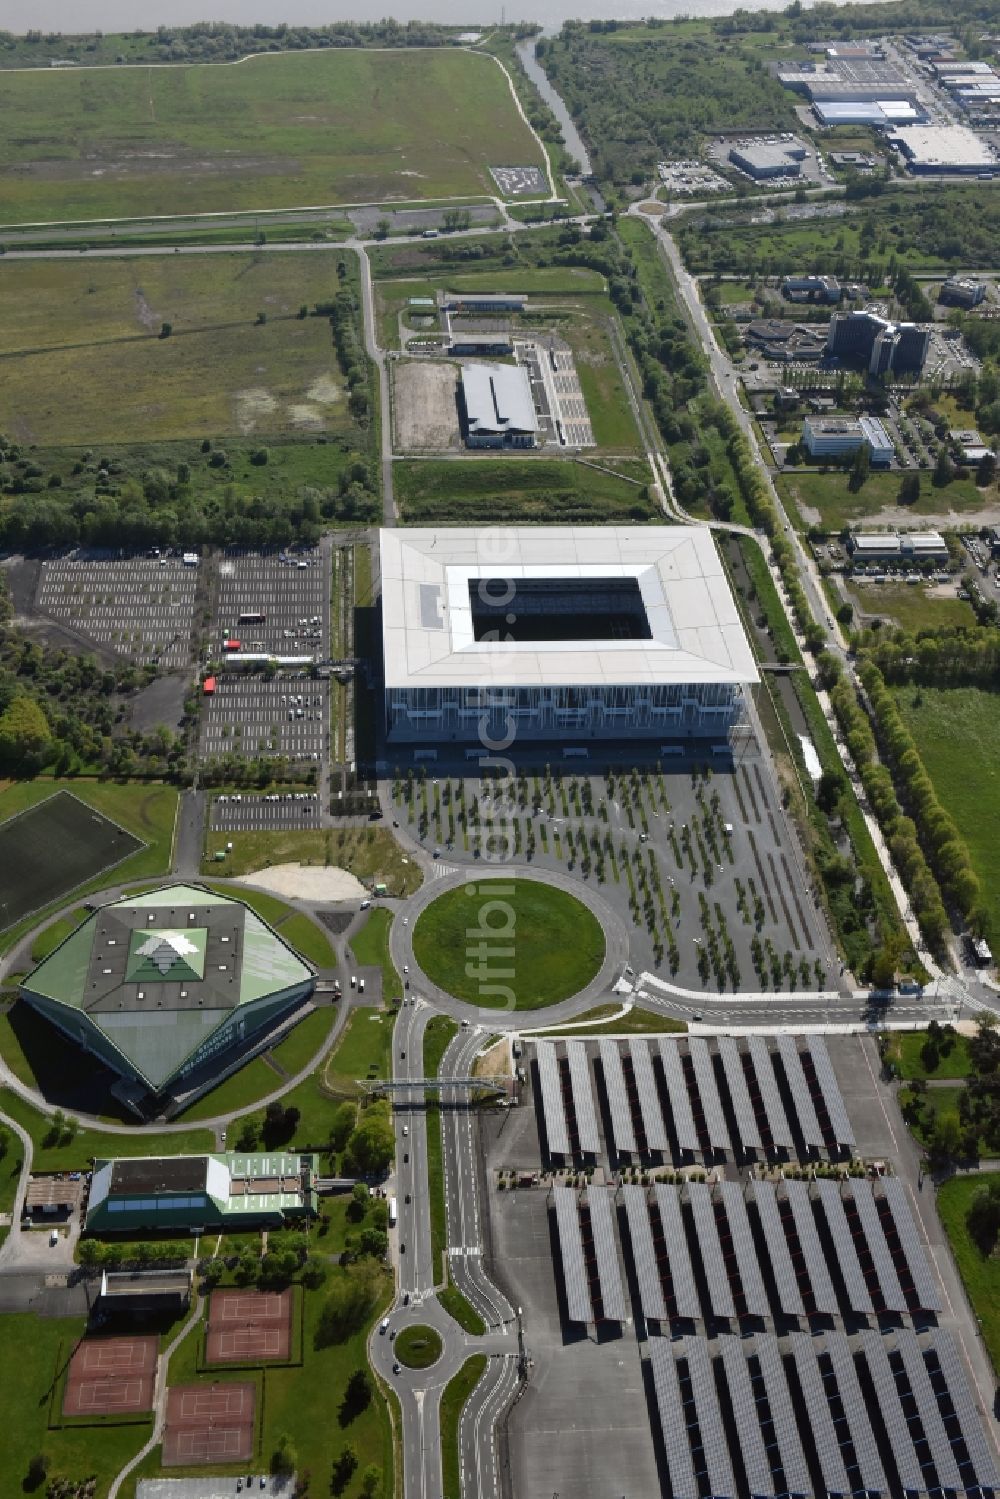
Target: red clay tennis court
{"type": "Point", "coordinates": [246, 1326]}
{"type": "Point", "coordinates": [209, 1423]}
{"type": "Point", "coordinates": [111, 1375]}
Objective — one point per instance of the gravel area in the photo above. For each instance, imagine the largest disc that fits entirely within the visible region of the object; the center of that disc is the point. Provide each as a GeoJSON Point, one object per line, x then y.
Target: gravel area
{"type": "Point", "coordinates": [306, 882]}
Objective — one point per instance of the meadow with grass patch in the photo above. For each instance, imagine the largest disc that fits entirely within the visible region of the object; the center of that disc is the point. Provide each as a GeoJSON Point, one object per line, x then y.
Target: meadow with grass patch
{"type": "Point", "coordinates": [342, 126]}
{"type": "Point", "coordinates": [980, 1273]}
{"type": "Point", "coordinates": [551, 491]}
{"type": "Point", "coordinates": [827, 500]}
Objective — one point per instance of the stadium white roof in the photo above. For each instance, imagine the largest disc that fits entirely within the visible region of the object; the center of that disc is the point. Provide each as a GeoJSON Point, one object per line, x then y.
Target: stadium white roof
{"type": "Point", "coordinates": [428, 632]}
{"type": "Point", "coordinates": [498, 398]}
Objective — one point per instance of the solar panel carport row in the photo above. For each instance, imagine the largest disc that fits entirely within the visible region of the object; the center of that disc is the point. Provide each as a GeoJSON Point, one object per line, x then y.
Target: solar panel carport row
{"type": "Point", "coordinates": [647, 1269]}
{"type": "Point", "coordinates": [739, 1093]}
{"type": "Point", "coordinates": [675, 1246]}
{"type": "Point", "coordinates": [583, 1098]}
{"type": "Point", "coordinates": [708, 1092]}
{"type": "Point", "coordinates": [715, 1462]}
{"type": "Point", "coordinates": [828, 1441]}
{"type": "Point", "coordinates": [680, 1103]}
{"type": "Point", "coordinates": [707, 1234]}
{"type": "Point", "coordinates": [753, 1449]}
{"type": "Point", "coordinates": [844, 1372]}
{"type": "Point", "coordinates": [871, 1224]}
{"type": "Point", "coordinates": [785, 1279]}
{"type": "Point", "coordinates": [608, 1269]}
{"type": "Point", "coordinates": [928, 1413]}
{"type": "Point", "coordinates": [574, 1267]}
{"type": "Point", "coordinates": [814, 1260]}
{"type": "Point", "coordinates": [676, 1443]}
{"type": "Point", "coordinates": [888, 1405]}
{"type": "Point", "coordinates": [830, 1089]}
{"type": "Point", "coordinates": [802, 1101]}
{"type": "Point", "coordinates": [622, 1127]}
{"type": "Point", "coordinates": [844, 1252]}
{"type": "Point", "coordinates": [777, 1121]}
{"type": "Point", "coordinates": [556, 1133]}
{"type": "Point", "coordinates": [924, 1284]}
{"type": "Point", "coordinates": [951, 1376]}
{"type": "Point", "coordinates": [786, 1431]}
{"type": "Point", "coordinates": [649, 1095]}
{"type": "Point", "coordinates": [747, 1264]}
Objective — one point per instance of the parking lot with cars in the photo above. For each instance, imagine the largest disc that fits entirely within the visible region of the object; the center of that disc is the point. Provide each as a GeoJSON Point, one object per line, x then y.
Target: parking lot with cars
{"type": "Point", "coordinates": [245, 812]}
{"type": "Point", "coordinates": [275, 603]}
{"type": "Point", "coordinates": [139, 606]}
{"type": "Point", "coordinates": [252, 715]}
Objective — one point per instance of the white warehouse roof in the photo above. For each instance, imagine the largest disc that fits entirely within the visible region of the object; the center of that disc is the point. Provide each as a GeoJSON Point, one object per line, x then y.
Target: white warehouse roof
{"type": "Point", "coordinates": [944, 146]}
{"type": "Point", "coordinates": [498, 398]}
{"type": "Point", "coordinates": [428, 632]}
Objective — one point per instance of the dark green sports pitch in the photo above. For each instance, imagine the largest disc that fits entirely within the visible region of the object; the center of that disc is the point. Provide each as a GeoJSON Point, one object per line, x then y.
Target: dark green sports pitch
{"type": "Point", "coordinates": [50, 849]}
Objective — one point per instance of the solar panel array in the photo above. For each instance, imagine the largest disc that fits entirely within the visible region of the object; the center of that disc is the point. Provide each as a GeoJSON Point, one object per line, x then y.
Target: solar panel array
{"type": "Point", "coordinates": [778, 1254]}
{"type": "Point", "coordinates": [747, 1264]}
{"type": "Point", "coordinates": [715, 1462]}
{"type": "Point", "coordinates": [714, 1265]}
{"type": "Point", "coordinates": [885, 1271]}
{"type": "Point", "coordinates": [739, 1093]}
{"type": "Point", "coordinates": [622, 1127]}
{"type": "Point", "coordinates": [556, 1132]}
{"type": "Point", "coordinates": [924, 1285]}
{"type": "Point", "coordinates": [829, 1087]}
{"type": "Point", "coordinates": [680, 1102]}
{"type": "Point", "coordinates": [830, 1436]}
{"type": "Point", "coordinates": [708, 1091]}
{"type": "Point", "coordinates": [891, 1411]}
{"type": "Point", "coordinates": [676, 1442]}
{"type": "Point", "coordinates": [653, 1125]}
{"type": "Point", "coordinates": [844, 1252]}
{"type": "Point", "coordinates": [802, 1098]}
{"type": "Point", "coordinates": [608, 1270]}
{"type": "Point", "coordinates": [583, 1098]}
{"type": "Point", "coordinates": [574, 1266]}
{"type": "Point", "coordinates": [813, 1264]}
{"type": "Point", "coordinates": [685, 1293]}
{"type": "Point", "coordinates": [772, 1375]}
{"type": "Point", "coordinates": [922, 1404]}
{"type": "Point", "coordinates": [752, 1448]}
{"type": "Point", "coordinates": [774, 1109]}
{"type": "Point", "coordinates": [951, 1386]}
{"type": "Point", "coordinates": [647, 1268]}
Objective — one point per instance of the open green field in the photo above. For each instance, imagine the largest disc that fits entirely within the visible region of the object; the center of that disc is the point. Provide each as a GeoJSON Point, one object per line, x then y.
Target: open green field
{"type": "Point", "coordinates": [558, 945]}
{"type": "Point", "coordinates": [826, 499]}
{"type": "Point", "coordinates": [322, 127]}
{"type": "Point", "coordinates": [552, 491]}
{"type": "Point", "coordinates": [911, 608]}
{"type": "Point", "coordinates": [370, 853]}
{"type": "Point", "coordinates": [955, 729]}
{"type": "Point", "coordinates": [370, 945]}
{"type": "Point", "coordinates": [76, 1154]}
{"type": "Point", "coordinates": [906, 1052]}
{"type": "Point", "coordinates": [147, 812]}
{"type": "Point", "coordinates": [980, 1274]}
{"type": "Point", "coordinates": [81, 356]}
{"type": "Point", "coordinates": [309, 939]}
{"type": "Point", "coordinates": [57, 931]}
{"type": "Point", "coordinates": [32, 1350]}
{"type": "Point", "coordinates": [50, 849]}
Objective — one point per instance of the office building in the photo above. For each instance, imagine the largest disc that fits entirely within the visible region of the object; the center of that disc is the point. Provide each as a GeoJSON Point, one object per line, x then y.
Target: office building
{"type": "Point", "coordinates": [498, 407]}
{"type": "Point", "coordinates": [195, 1193]}
{"type": "Point", "coordinates": [962, 291]}
{"type": "Point", "coordinates": [841, 436]}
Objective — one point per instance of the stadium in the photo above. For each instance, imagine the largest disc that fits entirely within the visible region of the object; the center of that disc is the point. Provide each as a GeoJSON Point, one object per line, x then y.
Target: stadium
{"type": "Point", "coordinates": [167, 986]}
{"type": "Point", "coordinates": [559, 632]}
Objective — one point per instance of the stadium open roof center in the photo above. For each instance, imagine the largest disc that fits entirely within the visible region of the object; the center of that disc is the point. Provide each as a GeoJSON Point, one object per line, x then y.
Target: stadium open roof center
{"type": "Point", "coordinates": [536, 609]}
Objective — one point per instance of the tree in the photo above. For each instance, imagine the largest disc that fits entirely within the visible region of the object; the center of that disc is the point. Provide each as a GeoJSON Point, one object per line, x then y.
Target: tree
{"type": "Point", "coordinates": [861, 467]}
{"type": "Point", "coordinates": [357, 1396]}
{"type": "Point", "coordinates": [283, 1458]}
{"type": "Point", "coordinates": [986, 471]}
{"type": "Point", "coordinates": [166, 329]}
{"type": "Point", "coordinates": [983, 1217]}
{"type": "Point", "coordinates": [371, 1481]}
{"type": "Point", "coordinates": [349, 1303]}
{"type": "Point", "coordinates": [343, 1123]}
{"type": "Point", "coordinates": [909, 489]}
{"type": "Point", "coordinates": [382, 228]}
{"type": "Point", "coordinates": [372, 1143]}
{"type": "Point", "coordinates": [4, 1141]}
{"type": "Point", "coordinates": [944, 469]}
{"type": "Point", "coordinates": [946, 1138]}
{"type": "Point", "coordinates": [24, 732]}
{"type": "Point", "coordinates": [829, 791]}
{"type": "Point", "coordinates": [344, 1467]}
{"type": "Point", "coordinates": [37, 1469]}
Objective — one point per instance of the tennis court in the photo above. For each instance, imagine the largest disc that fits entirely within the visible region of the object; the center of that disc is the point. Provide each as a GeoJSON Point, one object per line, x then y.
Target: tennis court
{"type": "Point", "coordinates": [111, 1375]}
{"type": "Point", "coordinates": [246, 1326]}
{"type": "Point", "coordinates": [48, 850]}
{"type": "Point", "coordinates": [209, 1423]}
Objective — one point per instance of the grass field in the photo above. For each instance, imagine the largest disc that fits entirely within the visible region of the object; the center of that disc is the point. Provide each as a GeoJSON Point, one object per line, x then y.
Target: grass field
{"type": "Point", "coordinates": [308, 939]}
{"type": "Point", "coordinates": [905, 1050]}
{"type": "Point", "coordinates": [637, 1022]}
{"type": "Point", "coordinates": [550, 491]}
{"type": "Point", "coordinates": [57, 931]}
{"type": "Point", "coordinates": [558, 944]}
{"type": "Point", "coordinates": [31, 1349]}
{"type": "Point", "coordinates": [147, 812]}
{"type": "Point", "coordinates": [236, 1093]}
{"type": "Point", "coordinates": [980, 1274]}
{"type": "Point", "coordinates": [955, 729]}
{"type": "Point", "coordinates": [911, 608]}
{"type": "Point", "coordinates": [301, 1045]}
{"type": "Point", "coordinates": [341, 126]}
{"type": "Point", "coordinates": [50, 849]}
{"type": "Point", "coordinates": [826, 499]}
{"type": "Point", "coordinates": [74, 333]}
{"type": "Point", "coordinates": [418, 1347]}
{"type": "Point", "coordinates": [76, 1154]}
{"type": "Point", "coordinates": [370, 853]}
{"type": "Point", "coordinates": [454, 1396]}
{"type": "Point", "coordinates": [371, 946]}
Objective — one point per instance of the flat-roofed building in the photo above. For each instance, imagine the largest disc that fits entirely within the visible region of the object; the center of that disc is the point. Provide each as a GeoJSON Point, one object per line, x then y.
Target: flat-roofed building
{"type": "Point", "coordinates": [559, 632]}
{"type": "Point", "coordinates": [945, 150]}
{"type": "Point", "coordinates": [840, 436]}
{"type": "Point", "coordinates": [498, 406]}
{"type": "Point", "coordinates": [811, 288]}
{"type": "Point", "coordinates": [765, 159]}
{"type": "Point", "coordinates": [187, 1192]}
{"type": "Point", "coordinates": [888, 546]}
{"type": "Point", "coordinates": [962, 291]}
{"type": "Point", "coordinates": [481, 301]}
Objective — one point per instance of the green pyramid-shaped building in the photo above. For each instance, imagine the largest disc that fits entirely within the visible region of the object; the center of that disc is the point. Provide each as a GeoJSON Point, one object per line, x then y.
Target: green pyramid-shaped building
{"type": "Point", "coordinates": [161, 985]}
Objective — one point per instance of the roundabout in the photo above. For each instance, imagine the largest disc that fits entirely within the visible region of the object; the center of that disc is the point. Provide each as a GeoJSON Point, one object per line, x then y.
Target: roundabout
{"type": "Point", "coordinates": [486, 941]}
{"type": "Point", "coordinates": [418, 1346]}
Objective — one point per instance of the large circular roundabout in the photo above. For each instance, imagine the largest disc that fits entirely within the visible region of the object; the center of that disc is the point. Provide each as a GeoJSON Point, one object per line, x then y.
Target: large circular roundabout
{"type": "Point", "coordinates": [486, 941]}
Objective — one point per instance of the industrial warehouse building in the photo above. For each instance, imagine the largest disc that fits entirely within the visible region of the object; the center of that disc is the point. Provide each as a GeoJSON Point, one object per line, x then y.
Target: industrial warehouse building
{"type": "Point", "coordinates": [763, 160]}
{"type": "Point", "coordinates": [840, 436]}
{"type": "Point", "coordinates": [914, 546]}
{"type": "Point", "coordinates": [559, 633]}
{"type": "Point", "coordinates": [945, 150]}
{"type": "Point", "coordinates": [168, 985]}
{"type": "Point", "coordinates": [497, 406]}
{"type": "Point", "coordinates": [186, 1193]}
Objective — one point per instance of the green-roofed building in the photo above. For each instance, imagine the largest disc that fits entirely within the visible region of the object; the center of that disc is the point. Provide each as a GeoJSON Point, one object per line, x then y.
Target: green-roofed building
{"type": "Point", "coordinates": [196, 1192]}
{"type": "Point", "coordinates": [169, 986]}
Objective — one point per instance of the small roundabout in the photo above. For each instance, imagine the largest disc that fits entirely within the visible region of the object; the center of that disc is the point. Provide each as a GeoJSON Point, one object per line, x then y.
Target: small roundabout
{"type": "Point", "coordinates": [485, 938]}
{"type": "Point", "coordinates": [418, 1346]}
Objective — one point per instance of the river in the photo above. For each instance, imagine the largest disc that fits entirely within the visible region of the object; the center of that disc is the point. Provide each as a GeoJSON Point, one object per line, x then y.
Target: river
{"type": "Point", "coordinates": [146, 15]}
